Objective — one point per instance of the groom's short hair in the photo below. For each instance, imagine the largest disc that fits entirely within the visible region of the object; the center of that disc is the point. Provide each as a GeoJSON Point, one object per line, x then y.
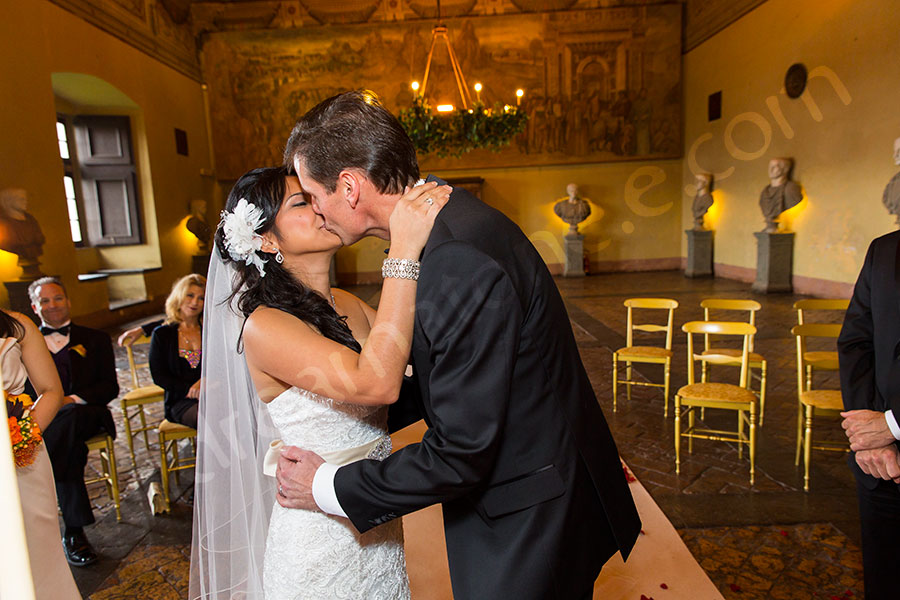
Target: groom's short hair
{"type": "Point", "coordinates": [353, 130]}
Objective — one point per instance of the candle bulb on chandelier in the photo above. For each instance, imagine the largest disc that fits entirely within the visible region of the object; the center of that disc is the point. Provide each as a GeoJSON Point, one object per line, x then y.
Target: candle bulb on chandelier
{"type": "Point", "coordinates": [478, 92]}
{"type": "Point", "coordinates": [519, 93]}
{"type": "Point", "coordinates": [415, 89]}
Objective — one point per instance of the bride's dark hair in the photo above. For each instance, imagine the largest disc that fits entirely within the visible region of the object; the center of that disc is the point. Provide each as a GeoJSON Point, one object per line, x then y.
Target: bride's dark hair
{"type": "Point", "coordinates": [265, 188]}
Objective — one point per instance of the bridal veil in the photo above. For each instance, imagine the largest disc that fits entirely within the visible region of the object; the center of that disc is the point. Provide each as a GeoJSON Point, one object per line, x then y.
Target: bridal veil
{"type": "Point", "coordinates": [232, 499]}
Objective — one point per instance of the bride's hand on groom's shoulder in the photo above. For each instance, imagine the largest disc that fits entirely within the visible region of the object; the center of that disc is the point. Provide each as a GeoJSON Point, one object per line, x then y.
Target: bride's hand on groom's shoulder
{"type": "Point", "coordinates": [295, 473]}
{"type": "Point", "coordinates": [413, 217]}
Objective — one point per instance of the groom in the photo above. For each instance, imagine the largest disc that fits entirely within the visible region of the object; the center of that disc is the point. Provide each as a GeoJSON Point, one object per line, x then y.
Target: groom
{"type": "Point", "coordinates": [517, 450]}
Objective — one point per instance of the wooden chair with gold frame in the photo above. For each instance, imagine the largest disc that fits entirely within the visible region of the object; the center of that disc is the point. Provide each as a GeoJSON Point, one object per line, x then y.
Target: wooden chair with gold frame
{"type": "Point", "coordinates": [645, 354]}
{"type": "Point", "coordinates": [757, 361]}
{"type": "Point", "coordinates": [134, 401]}
{"type": "Point", "coordinates": [726, 396]}
{"type": "Point", "coordinates": [819, 360]}
{"type": "Point", "coordinates": [171, 462]}
{"type": "Point", "coordinates": [108, 474]}
{"type": "Point", "coordinates": [813, 402]}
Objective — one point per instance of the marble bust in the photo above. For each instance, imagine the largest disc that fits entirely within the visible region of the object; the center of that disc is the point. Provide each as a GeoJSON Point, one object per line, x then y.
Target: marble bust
{"type": "Point", "coordinates": [198, 226]}
{"type": "Point", "coordinates": [891, 196]}
{"type": "Point", "coordinates": [20, 232]}
{"type": "Point", "coordinates": [781, 193]}
{"type": "Point", "coordinates": [572, 209]}
{"type": "Point", "coordinates": [702, 200]}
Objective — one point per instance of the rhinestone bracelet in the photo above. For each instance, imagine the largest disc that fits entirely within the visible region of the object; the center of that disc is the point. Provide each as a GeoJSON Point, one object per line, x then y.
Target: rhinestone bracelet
{"type": "Point", "coordinates": [401, 268]}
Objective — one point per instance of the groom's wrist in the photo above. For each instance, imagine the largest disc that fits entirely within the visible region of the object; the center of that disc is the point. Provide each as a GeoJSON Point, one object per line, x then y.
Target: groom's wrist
{"type": "Point", "coordinates": [323, 490]}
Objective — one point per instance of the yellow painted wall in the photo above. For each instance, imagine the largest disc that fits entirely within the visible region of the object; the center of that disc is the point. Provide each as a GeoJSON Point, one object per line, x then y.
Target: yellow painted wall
{"type": "Point", "coordinates": [635, 213]}
{"type": "Point", "coordinates": [840, 132]}
{"type": "Point", "coordinates": [38, 38]}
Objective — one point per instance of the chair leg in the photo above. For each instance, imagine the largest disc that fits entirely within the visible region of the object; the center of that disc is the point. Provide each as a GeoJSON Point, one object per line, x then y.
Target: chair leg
{"type": "Point", "coordinates": [677, 434]}
{"type": "Point", "coordinates": [690, 413]}
{"type": "Point", "coordinates": [668, 369]}
{"type": "Point", "coordinates": [807, 447]}
{"type": "Point", "coordinates": [144, 428]}
{"type": "Point", "coordinates": [175, 461]}
{"type": "Point", "coordinates": [762, 393]}
{"type": "Point", "coordinates": [114, 478]}
{"type": "Point", "coordinates": [704, 374]}
{"type": "Point", "coordinates": [752, 443]}
{"type": "Point", "coordinates": [799, 434]}
{"type": "Point", "coordinates": [164, 469]}
{"type": "Point", "coordinates": [740, 436]}
{"type": "Point", "coordinates": [128, 434]}
{"type": "Point", "coordinates": [808, 377]}
{"type": "Point", "coordinates": [628, 382]}
{"type": "Point", "coordinates": [615, 377]}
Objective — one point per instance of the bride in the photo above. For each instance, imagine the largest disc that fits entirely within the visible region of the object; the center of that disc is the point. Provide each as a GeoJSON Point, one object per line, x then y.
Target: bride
{"type": "Point", "coordinates": [324, 366]}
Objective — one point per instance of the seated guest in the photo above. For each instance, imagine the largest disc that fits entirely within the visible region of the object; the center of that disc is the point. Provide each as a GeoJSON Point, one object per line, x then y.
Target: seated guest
{"type": "Point", "coordinates": [175, 350]}
{"type": "Point", "coordinates": [87, 369]}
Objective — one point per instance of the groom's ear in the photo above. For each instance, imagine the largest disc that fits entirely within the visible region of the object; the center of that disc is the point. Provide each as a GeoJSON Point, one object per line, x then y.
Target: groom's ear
{"type": "Point", "coordinates": [348, 186]}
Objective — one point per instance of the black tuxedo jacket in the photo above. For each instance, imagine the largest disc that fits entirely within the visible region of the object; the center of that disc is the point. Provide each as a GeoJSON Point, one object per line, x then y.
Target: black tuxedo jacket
{"type": "Point", "coordinates": [92, 370]}
{"type": "Point", "coordinates": [869, 344]}
{"type": "Point", "coordinates": [518, 451]}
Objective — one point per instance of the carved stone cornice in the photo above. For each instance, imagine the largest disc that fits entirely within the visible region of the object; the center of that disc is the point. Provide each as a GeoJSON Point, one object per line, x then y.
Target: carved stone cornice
{"type": "Point", "coordinates": [145, 25]}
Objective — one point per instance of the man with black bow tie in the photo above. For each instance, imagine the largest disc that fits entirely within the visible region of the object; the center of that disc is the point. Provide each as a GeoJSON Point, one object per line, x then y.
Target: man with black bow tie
{"type": "Point", "coordinates": [86, 365]}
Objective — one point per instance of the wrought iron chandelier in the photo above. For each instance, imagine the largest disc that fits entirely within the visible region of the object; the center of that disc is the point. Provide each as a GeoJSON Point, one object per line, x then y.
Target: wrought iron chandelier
{"type": "Point", "coordinates": [453, 131]}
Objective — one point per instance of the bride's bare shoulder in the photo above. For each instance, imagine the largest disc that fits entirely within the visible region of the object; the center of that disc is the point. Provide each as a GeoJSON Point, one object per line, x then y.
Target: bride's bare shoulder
{"type": "Point", "coordinates": [269, 325]}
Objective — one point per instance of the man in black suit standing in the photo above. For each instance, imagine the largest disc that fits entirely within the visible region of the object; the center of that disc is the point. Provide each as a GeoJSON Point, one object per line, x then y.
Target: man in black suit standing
{"type": "Point", "coordinates": [517, 451]}
{"type": "Point", "coordinates": [86, 365]}
{"type": "Point", "coordinates": [869, 351]}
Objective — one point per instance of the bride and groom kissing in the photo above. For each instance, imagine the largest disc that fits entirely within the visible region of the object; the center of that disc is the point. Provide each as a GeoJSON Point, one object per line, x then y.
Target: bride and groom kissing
{"type": "Point", "coordinates": [517, 450]}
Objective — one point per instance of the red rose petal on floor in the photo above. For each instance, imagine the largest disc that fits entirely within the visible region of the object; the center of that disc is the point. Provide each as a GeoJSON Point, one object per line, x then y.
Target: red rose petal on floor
{"type": "Point", "coordinates": [848, 593]}
{"type": "Point", "coordinates": [734, 587]}
{"type": "Point", "coordinates": [784, 533]}
{"type": "Point", "coordinates": [835, 598]}
{"type": "Point", "coordinates": [663, 586]}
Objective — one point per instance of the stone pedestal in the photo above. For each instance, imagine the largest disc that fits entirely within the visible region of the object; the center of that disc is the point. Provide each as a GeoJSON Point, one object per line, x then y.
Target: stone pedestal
{"type": "Point", "coordinates": [699, 254]}
{"type": "Point", "coordinates": [18, 296]}
{"type": "Point", "coordinates": [200, 264]}
{"type": "Point", "coordinates": [774, 262]}
{"type": "Point", "coordinates": [574, 244]}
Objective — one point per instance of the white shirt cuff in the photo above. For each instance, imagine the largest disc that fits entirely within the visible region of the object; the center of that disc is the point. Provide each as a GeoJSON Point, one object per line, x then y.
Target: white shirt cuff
{"type": "Point", "coordinates": [77, 399]}
{"type": "Point", "coordinates": [892, 424]}
{"type": "Point", "coordinates": [323, 490]}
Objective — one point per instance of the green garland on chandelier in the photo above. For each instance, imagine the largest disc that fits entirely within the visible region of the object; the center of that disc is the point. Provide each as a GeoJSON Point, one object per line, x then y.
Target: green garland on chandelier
{"type": "Point", "coordinates": [455, 133]}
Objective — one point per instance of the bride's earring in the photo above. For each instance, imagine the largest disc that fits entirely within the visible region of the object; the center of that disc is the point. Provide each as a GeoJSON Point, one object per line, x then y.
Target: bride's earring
{"type": "Point", "coordinates": [279, 257]}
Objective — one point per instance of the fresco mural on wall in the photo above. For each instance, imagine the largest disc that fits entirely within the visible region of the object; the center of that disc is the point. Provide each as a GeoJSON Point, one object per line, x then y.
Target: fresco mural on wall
{"type": "Point", "coordinates": [600, 85]}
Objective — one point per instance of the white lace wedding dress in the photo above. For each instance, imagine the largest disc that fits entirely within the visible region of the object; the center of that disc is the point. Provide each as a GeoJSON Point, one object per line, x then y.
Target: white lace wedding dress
{"type": "Point", "coordinates": [314, 556]}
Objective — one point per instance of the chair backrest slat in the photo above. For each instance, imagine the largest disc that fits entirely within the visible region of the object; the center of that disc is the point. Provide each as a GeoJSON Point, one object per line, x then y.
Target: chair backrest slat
{"type": "Point", "coordinates": [732, 328]}
{"type": "Point", "coordinates": [132, 364]}
{"type": "Point", "coordinates": [666, 304]}
{"type": "Point", "coordinates": [729, 304]}
{"type": "Point", "coordinates": [819, 304]}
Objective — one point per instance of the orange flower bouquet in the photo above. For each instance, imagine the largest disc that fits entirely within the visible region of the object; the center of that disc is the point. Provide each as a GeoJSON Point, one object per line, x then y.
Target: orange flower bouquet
{"type": "Point", "coordinates": [23, 429]}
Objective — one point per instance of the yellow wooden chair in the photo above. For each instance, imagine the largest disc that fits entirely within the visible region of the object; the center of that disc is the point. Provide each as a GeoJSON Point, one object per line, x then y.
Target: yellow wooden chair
{"type": "Point", "coordinates": [812, 402]}
{"type": "Point", "coordinates": [169, 436]}
{"type": "Point", "coordinates": [726, 396]}
{"type": "Point", "coordinates": [645, 354]}
{"type": "Point", "coordinates": [818, 359]}
{"type": "Point", "coordinates": [757, 361]}
{"type": "Point", "coordinates": [108, 473]}
{"type": "Point", "coordinates": [133, 402]}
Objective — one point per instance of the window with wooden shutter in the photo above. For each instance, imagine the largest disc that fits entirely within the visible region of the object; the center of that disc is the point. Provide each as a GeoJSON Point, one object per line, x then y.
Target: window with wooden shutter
{"type": "Point", "coordinates": [108, 180]}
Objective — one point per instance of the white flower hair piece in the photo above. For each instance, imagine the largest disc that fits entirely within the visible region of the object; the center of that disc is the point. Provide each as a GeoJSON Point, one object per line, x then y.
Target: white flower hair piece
{"type": "Point", "coordinates": [241, 239]}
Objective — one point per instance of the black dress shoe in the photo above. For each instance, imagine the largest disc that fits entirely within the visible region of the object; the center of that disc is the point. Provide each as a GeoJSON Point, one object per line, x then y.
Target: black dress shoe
{"type": "Point", "coordinates": [79, 552]}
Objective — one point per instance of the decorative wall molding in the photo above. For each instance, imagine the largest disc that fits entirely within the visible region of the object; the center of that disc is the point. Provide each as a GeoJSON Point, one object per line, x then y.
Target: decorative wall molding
{"type": "Point", "coordinates": [705, 18]}
{"type": "Point", "coordinates": [145, 25]}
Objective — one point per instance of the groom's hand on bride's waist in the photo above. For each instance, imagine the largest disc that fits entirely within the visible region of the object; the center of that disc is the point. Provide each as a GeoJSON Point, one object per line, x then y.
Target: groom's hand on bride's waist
{"type": "Point", "coordinates": [295, 473]}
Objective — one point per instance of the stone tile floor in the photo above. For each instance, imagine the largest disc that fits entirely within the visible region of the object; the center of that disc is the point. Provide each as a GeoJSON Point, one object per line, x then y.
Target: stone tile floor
{"type": "Point", "coordinates": [769, 540]}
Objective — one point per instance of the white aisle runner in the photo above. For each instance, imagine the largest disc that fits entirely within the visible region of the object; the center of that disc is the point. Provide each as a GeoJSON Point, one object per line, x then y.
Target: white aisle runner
{"type": "Point", "coordinates": [659, 557]}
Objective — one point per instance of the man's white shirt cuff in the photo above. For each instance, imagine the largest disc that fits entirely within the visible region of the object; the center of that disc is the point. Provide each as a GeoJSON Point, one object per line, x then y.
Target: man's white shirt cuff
{"type": "Point", "coordinates": [323, 490]}
{"type": "Point", "coordinates": [892, 424]}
